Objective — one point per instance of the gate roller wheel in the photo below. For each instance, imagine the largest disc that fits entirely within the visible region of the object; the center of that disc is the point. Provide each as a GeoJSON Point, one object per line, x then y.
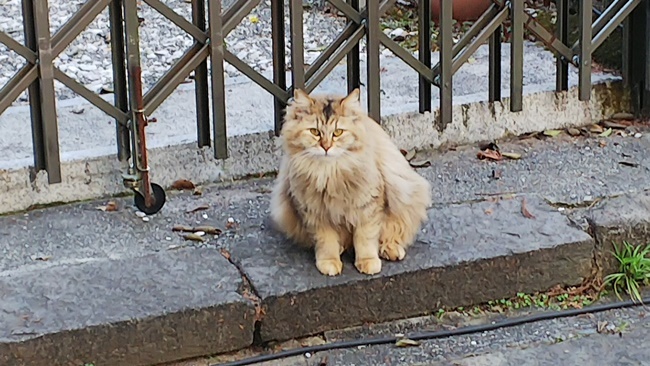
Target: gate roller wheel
{"type": "Point", "coordinates": [158, 195]}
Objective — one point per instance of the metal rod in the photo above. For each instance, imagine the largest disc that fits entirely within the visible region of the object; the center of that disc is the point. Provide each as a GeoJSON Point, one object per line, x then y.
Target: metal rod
{"type": "Point", "coordinates": [193, 28]}
{"type": "Point", "coordinates": [407, 57]}
{"type": "Point", "coordinates": [645, 106]}
{"type": "Point", "coordinates": [119, 78]}
{"type": "Point", "coordinates": [353, 61]}
{"type": "Point", "coordinates": [297, 45]}
{"type": "Point", "coordinates": [485, 35]}
{"type": "Point", "coordinates": [76, 24]}
{"type": "Point", "coordinates": [138, 174]}
{"type": "Point", "coordinates": [48, 98]}
{"type": "Point", "coordinates": [604, 17]}
{"type": "Point", "coordinates": [236, 13]}
{"type": "Point", "coordinates": [279, 62]}
{"type": "Point", "coordinates": [494, 66]}
{"type": "Point", "coordinates": [34, 88]}
{"type": "Point", "coordinates": [336, 58]}
{"type": "Point", "coordinates": [15, 46]}
{"type": "Point", "coordinates": [608, 28]}
{"type": "Point", "coordinates": [173, 77]}
{"type": "Point", "coordinates": [327, 53]}
{"type": "Point", "coordinates": [24, 78]}
{"type": "Point", "coordinates": [424, 54]}
{"type": "Point", "coordinates": [260, 80]}
{"type": "Point", "coordinates": [446, 64]}
{"type": "Point", "coordinates": [201, 81]}
{"type": "Point", "coordinates": [584, 58]}
{"type": "Point", "coordinates": [562, 33]}
{"type": "Point", "coordinates": [373, 31]}
{"type": "Point", "coordinates": [517, 55]}
{"type": "Point", "coordinates": [350, 11]}
{"type": "Point", "coordinates": [217, 77]}
{"type": "Point", "coordinates": [120, 116]}
{"type": "Point", "coordinates": [625, 50]}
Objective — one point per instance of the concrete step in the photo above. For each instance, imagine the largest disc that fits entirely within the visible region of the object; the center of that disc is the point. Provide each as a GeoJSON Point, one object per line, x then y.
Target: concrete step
{"type": "Point", "coordinates": [81, 285]}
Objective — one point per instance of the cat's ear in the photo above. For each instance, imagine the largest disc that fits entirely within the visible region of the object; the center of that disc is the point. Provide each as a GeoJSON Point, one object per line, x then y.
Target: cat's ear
{"type": "Point", "coordinates": [352, 100]}
{"type": "Point", "coordinates": [301, 97]}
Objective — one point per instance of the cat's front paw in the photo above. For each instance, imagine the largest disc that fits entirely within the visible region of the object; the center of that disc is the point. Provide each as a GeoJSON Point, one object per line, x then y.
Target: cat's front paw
{"type": "Point", "coordinates": [330, 267]}
{"type": "Point", "coordinates": [368, 266]}
{"type": "Point", "coordinates": [392, 252]}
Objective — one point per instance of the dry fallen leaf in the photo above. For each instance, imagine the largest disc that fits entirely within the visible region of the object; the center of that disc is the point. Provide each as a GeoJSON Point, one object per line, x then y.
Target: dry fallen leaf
{"type": "Point", "coordinates": [596, 129]}
{"type": "Point", "coordinates": [524, 210]}
{"type": "Point", "coordinates": [622, 116]}
{"type": "Point", "coordinates": [620, 126]}
{"type": "Point", "coordinates": [405, 342]}
{"type": "Point", "coordinates": [602, 143]}
{"type": "Point", "coordinates": [408, 154]}
{"type": "Point", "coordinates": [628, 163]}
{"type": "Point", "coordinates": [208, 230]}
{"type": "Point", "coordinates": [225, 253]}
{"type": "Point", "coordinates": [513, 156]}
{"type": "Point", "coordinates": [183, 228]}
{"type": "Point", "coordinates": [573, 132]}
{"type": "Point", "coordinates": [193, 237]}
{"type": "Point", "coordinates": [44, 258]}
{"type": "Point", "coordinates": [488, 211]}
{"type": "Point", "coordinates": [489, 154]}
{"type": "Point", "coordinates": [182, 184]}
{"type": "Point", "coordinates": [420, 164]}
{"type": "Point", "coordinates": [552, 133]}
{"type": "Point", "coordinates": [606, 133]}
{"type": "Point", "coordinates": [496, 174]}
{"type": "Point", "coordinates": [199, 208]}
{"type": "Point", "coordinates": [110, 207]}
{"type": "Point", "coordinates": [197, 191]}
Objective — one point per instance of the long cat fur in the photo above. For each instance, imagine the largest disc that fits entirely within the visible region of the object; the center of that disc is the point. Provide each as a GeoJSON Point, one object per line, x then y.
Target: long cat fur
{"type": "Point", "coordinates": [351, 190]}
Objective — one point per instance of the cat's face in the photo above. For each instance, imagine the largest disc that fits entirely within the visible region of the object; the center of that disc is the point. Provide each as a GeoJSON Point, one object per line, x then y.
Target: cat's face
{"type": "Point", "coordinates": [324, 126]}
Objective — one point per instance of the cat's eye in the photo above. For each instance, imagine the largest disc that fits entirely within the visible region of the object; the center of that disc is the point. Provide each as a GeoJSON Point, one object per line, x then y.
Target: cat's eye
{"type": "Point", "coordinates": [338, 132]}
{"type": "Point", "coordinates": [314, 131]}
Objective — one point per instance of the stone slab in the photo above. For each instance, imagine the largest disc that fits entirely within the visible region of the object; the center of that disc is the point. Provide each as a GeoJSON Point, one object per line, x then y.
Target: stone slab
{"type": "Point", "coordinates": [466, 254]}
{"type": "Point", "coordinates": [625, 218]}
{"type": "Point", "coordinates": [137, 311]}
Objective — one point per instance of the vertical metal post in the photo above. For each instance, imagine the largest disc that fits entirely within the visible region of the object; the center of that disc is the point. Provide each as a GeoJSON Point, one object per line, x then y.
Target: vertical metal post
{"type": "Point", "coordinates": [645, 101]}
{"type": "Point", "coordinates": [34, 89]}
{"type": "Point", "coordinates": [424, 53]}
{"type": "Point", "coordinates": [201, 82]}
{"type": "Point", "coordinates": [562, 33]}
{"type": "Point", "coordinates": [517, 55]}
{"type": "Point", "coordinates": [353, 60]}
{"type": "Point", "coordinates": [373, 63]}
{"type": "Point", "coordinates": [48, 98]}
{"type": "Point", "coordinates": [584, 57]}
{"type": "Point", "coordinates": [131, 25]}
{"type": "Point", "coordinates": [217, 77]}
{"type": "Point", "coordinates": [297, 43]}
{"type": "Point", "coordinates": [119, 77]}
{"type": "Point", "coordinates": [626, 51]}
{"type": "Point", "coordinates": [446, 58]}
{"type": "Point", "coordinates": [279, 65]}
{"type": "Point", "coordinates": [495, 66]}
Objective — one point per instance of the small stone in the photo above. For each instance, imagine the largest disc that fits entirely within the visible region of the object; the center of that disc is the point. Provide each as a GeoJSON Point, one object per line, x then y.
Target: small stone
{"type": "Point", "coordinates": [308, 355]}
{"type": "Point", "coordinates": [168, 238]}
{"type": "Point", "coordinates": [638, 135]}
{"type": "Point", "coordinates": [140, 214]}
{"type": "Point", "coordinates": [205, 216]}
{"type": "Point", "coordinates": [398, 34]}
{"type": "Point", "coordinates": [473, 343]}
{"type": "Point", "coordinates": [146, 219]}
{"type": "Point", "coordinates": [588, 198]}
{"type": "Point", "coordinates": [231, 220]}
{"type": "Point", "coordinates": [200, 233]}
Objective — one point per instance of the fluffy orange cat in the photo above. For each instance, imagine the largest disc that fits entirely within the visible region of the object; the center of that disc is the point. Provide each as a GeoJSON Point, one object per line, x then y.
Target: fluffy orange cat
{"type": "Point", "coordinates": [343, 184]}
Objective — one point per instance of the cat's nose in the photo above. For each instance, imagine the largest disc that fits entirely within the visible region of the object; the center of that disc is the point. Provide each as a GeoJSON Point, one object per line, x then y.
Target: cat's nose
{"type": "Point", "coordinates": [326, 145]}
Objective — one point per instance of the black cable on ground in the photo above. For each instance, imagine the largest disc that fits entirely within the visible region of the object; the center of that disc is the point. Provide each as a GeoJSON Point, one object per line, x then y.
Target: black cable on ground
{"type": "Point", "coordinates": [438, 334]}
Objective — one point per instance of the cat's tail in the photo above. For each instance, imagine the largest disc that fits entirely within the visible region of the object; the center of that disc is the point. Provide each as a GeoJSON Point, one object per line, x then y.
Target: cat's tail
{"type": "Point", "coordinates": [284, 215]}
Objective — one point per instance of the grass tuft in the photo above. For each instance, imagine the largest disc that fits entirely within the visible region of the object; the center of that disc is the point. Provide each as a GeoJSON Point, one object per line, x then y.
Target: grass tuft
{"type": "Point", "coordinates": [634, 270]}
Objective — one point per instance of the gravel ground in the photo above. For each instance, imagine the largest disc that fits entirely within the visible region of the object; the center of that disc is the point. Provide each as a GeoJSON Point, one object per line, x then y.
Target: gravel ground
{"type": "Point", "coordinates": [88, 58]}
